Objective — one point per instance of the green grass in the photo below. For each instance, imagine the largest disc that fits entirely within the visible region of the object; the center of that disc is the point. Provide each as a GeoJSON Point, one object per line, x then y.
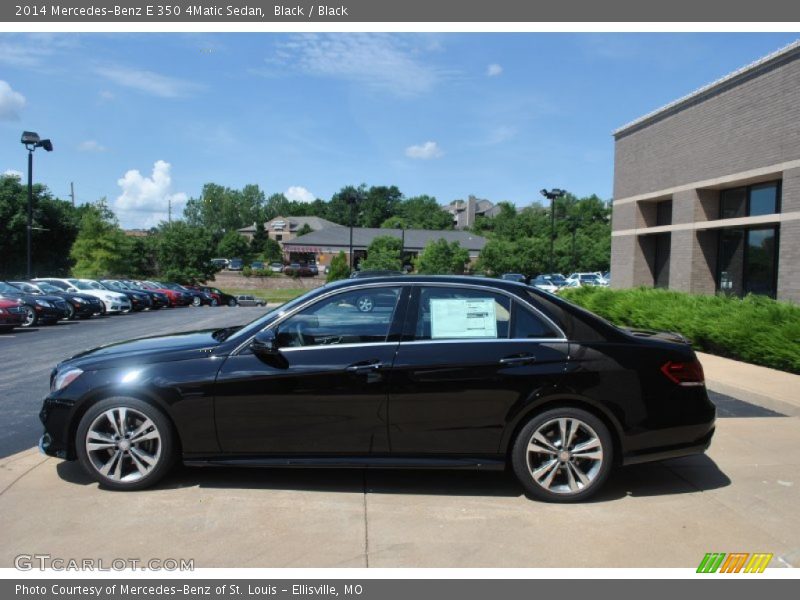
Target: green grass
{"type": "Point", "coordinates": [753, 329]}
{"type": "Point", "coordinates": [273, 296]}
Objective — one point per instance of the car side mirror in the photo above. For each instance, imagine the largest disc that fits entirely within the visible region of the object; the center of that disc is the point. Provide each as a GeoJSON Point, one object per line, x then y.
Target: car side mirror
{"type": "Point", "coordinates": [265, 344]}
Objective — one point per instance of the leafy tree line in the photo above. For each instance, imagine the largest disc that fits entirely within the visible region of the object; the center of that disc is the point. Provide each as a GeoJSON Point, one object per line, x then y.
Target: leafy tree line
{"type": "Point", "coordinates": [87, 240]}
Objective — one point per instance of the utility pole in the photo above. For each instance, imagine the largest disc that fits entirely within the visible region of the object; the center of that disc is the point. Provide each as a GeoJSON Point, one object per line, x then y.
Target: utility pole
{"type": "Point", "coordinates": [169, 210]}
{"type": "Point", "coordinates": [72, 193]}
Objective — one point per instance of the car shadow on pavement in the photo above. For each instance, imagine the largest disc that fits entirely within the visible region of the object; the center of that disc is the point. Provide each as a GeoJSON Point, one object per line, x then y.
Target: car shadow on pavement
{"type": "Point", "coordinates": [678, 476]}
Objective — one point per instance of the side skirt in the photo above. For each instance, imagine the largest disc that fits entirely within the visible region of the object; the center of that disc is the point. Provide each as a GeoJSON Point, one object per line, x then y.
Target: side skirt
{"type": "Point", "coordinates": [350, 462]}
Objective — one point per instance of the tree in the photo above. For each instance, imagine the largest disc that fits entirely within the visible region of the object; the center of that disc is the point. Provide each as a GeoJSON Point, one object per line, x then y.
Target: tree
{"type": "Point", "coordinates": [55, 225]}
{"type": "Point", "coordinates": [233, 245]}
{"type": "Point", "coordinates": [259, 239]}
{"type": "Point", "coordinates": [101, 248]}
{"type": "Point", "coordinates": [441, 258]}
{"type": "Point", "coordinates": [339, 268]}
{"type": "Point", "coordinates": [526, 255]}
{"type": "Point", "coordinates": [272, 251]}
{"type": "Point", "coordinates": [383, 253]}
{"type": "Point", "coordinates": [184, 252]}
{"type": "Point", "coordinates": [220, 209]}
{"type": "Point", "coordinates": [306, 228]}
{"type": "Point", "coordinates": [424, 212]}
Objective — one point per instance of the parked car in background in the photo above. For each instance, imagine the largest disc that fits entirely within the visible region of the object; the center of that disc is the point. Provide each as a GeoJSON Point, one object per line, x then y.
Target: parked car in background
{"type": "Point", "coordinates": [236, 264]}
{"type": "Point", "coordinates": [257, 265]}
{"type": "Point", "coordinates": [196, 297]}
{"type": "Point", "coordinates": [298, 270]}
{"type": "Point", "coordinates": [544, 283]}
{"type": "Point", "coordinates": [160, 299]}
{"type": "Point", "coordinates": [250, 300]}
{"type": "Point", "coordinates": [607, 277]}
{"type": "Point", "coordinates": [39, 308]}
{"type": "Point", "coordinates": [220, 263]}
{"type": "Point", "coordinates": [79, 306]}
{"type": "Point", "coordinates": [456, 372]}
{"type": "Point", "coordinates": [12, 314]}
{"type": "Point", "coordinates": [374, 273]}
{"type": "Point", "coordinates": [218, 297]}
{"type": "Point", "coordinates": [593, 279]}
{"type": "Point", "coordinates": [556, 279]}
{"type": "Point", "coordinates": [276, 267]}
{"type": "Point", "coordinates": [139, 300]}
{"type": "Point", "coordinates": [518, 277]}
{"type": "Point", "coordinates": [176, 297]}
{"type": "Point", "coordinates": [113, 302]}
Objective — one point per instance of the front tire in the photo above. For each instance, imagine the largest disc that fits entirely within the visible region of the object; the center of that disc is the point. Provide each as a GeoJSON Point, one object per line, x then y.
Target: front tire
{"type": "Point", "coordinates": [232, 302]}
{"type": "Point", "coordinates": [563, 455]}
{"type": "Point", "coordinates": [70, 312]}
{"type": "Point", "coordinates": [197, 301]}
{"type": "Point", "coordinates": [31, 318]}
{"type": "Point", "coordinates": [125, 443]}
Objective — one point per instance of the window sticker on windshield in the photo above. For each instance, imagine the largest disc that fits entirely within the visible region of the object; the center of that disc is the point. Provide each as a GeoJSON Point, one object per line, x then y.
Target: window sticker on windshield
{"type": "Point", "coordinates": [463, 318]}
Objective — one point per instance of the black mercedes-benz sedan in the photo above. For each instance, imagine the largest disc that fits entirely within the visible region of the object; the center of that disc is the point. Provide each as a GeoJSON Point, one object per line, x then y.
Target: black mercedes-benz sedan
{"type": "Point", "coordinates": [456, 372]}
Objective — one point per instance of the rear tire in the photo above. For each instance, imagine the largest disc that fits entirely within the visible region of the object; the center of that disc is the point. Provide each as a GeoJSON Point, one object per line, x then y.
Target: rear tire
{"type": "Point", "coordinates": [563, 455]}
{"type": "Point", "coordinates": [70, 312]}
{"type": "Point", "coordinates": [197, 301]}
{"type": "Point", "coordinates": [125, 443]}
{"type": "Point", "coordinates": [232, 302]}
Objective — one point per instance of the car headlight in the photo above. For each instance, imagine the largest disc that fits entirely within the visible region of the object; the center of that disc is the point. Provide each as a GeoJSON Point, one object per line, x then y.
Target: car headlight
{"type": "Point", "coordinates": [64, 378]}
{"type": "Point", "coordinates": [43, 303]}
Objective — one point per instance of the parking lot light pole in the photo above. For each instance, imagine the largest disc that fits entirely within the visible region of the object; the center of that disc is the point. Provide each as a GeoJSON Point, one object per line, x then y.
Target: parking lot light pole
{"type": "Point", "coordinates": [552, 195]}
{"type": "Point", "coordinates": [31, 141]}
{"type": "Point", "coordinates": [352, 200]}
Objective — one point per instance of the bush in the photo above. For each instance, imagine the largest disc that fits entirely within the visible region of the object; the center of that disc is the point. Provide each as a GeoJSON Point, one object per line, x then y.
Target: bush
{"type": "Point", "coordinates": [754, 329]}
{"type": "Point", "coordinates": [262, 273]}
{"type": "Point", "coordinates": [339, 268]}
{"type": "Point", "coordinates": [247, 271]}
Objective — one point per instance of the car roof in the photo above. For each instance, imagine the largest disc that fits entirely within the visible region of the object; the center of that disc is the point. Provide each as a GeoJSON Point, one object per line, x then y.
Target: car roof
{"type": "Point", "coordinates": [505, 284]}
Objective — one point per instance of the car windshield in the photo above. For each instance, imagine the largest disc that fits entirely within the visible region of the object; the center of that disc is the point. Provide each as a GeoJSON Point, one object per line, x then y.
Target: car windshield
{"type": "Point", "coordinates": [81, 285]}
{"type": "Point", "coordinates": [47, 288]}
{"type": "Point", "coordinates": [25, 287]}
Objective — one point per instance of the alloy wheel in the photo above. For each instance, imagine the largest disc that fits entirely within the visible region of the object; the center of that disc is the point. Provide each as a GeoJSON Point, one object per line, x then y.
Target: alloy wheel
{"type": "Point", "coordinates": [30, 317]}
{"type": "Point", "coordinates": [123, 444]}
{"type": "Point", "coordinates": [564, 455]}
{"type": "Point", "coordinates": [365, 304]}
{"type": "Point", "coordinates": [196, 301]}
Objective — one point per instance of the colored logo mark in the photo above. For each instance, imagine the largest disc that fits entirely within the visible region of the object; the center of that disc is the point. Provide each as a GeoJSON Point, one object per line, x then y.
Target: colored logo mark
{"type": "Point", "coordinates": [735, 562]}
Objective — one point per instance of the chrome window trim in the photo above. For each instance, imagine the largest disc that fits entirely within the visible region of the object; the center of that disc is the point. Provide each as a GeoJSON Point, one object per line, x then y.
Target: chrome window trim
{"type": "Point", "coordinates": [412, 284]}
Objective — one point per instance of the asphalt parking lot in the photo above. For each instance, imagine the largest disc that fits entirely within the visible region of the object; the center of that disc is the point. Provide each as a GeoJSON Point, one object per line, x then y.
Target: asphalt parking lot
{"type": "Point", "coordinates": [741, 497]}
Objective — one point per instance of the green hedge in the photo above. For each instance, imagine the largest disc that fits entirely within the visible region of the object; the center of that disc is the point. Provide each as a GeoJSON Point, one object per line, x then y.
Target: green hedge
{"type": "Point", "coordinates": [753, 329]}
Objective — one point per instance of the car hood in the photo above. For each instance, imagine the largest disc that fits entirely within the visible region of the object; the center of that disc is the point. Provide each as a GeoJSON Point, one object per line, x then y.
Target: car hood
{"type": "Point", "coordinates": [149, 349]}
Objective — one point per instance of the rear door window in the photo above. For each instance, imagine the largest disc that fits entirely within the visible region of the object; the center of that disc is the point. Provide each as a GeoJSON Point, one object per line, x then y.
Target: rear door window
{"type": "Point", "coordinates": [447, 313]}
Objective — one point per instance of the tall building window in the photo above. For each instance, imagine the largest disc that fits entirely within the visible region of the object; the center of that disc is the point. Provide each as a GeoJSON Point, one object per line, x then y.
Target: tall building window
{"type": "Point", "coordinates": [748, 261]}
{"type": "Point", "coordinates": [751, 201]}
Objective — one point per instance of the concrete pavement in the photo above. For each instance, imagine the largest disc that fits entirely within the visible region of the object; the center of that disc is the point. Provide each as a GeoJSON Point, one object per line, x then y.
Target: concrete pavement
{"type": "Point", "coordinates": [742, 497]}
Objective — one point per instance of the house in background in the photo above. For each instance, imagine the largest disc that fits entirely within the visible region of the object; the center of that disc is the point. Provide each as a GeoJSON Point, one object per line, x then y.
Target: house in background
{"type": "Point", "coordinates": [283, 229]}
{"type": "Point", "coordinates": [465, 212]}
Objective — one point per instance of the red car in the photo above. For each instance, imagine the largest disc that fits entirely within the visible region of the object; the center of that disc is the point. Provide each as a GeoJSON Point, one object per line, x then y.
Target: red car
{"type": "Point", "coordinates": [175, 297]}
{"type": "Point", "coordinates": [12, 314]}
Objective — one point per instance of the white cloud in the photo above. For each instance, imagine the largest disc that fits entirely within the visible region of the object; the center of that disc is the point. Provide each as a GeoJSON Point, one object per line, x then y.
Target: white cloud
{"type": "Point", "coordinates": [425, 151]}
{"type": "Point", "coordinates": [106, 96]}
{"type": "Point", "coordinates": [144, 200]}
{"type": "Point", "coordinates": [13, 173]}
{"type": "Point", "coordinates": [389, 63]}
{"type": "Point", "coordinates": [91, 146]}
{"type": "Point", "coordinates": [299, 194]}
{"type": "Point", "coordinates": [148, 82]}
{"type": "Point", "coordinates": [11, 102]}
{"type": "Point", "coordinates": [494, 70]}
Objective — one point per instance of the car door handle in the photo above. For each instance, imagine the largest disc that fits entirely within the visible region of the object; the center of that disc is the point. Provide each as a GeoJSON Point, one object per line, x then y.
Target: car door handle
{"type": "Point", "coordinates": [523, 359]}
{"type": "Point", "coordinates": [363, 367]}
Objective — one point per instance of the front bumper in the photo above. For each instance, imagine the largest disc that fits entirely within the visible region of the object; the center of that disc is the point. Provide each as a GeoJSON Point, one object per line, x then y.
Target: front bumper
{"type": "Point", "coordinates": [116, 306]}
{"type": "Point", "coordinates": [56, 416]}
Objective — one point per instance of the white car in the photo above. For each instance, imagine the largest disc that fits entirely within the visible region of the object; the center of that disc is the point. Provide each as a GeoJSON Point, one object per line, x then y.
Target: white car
{"type": "Point", "coordinates": [114, 302]}
{"type": "Point", "coordinates": [595, 279]}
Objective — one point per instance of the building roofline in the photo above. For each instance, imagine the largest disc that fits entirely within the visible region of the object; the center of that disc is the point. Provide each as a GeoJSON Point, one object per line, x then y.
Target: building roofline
{"type": "Point", "coordinates": [721, 84]}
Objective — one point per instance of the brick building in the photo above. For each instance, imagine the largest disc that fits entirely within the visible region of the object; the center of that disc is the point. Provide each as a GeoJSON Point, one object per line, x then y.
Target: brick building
{"type": "Point", "coordinates": [707, 188]}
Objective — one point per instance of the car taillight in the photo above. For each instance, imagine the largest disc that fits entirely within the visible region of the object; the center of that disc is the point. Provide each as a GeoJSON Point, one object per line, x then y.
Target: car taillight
{"type": "Point", "coordinates": [684, 373]}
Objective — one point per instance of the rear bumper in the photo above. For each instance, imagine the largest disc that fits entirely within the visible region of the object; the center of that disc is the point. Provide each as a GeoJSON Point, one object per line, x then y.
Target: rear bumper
{"type": "Point", "coordinates": [693, 445]}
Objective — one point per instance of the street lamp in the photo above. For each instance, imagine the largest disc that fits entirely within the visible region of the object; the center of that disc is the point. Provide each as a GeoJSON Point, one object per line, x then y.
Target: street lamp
{"type": "Point", "coordinates": [552, 195]}
{"type": "Point", "coordinates": [31, 142]}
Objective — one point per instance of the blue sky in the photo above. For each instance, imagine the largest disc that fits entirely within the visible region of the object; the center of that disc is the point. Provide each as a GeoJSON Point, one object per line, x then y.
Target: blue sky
{"type": "Point", "coordinates": [143, 118]}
